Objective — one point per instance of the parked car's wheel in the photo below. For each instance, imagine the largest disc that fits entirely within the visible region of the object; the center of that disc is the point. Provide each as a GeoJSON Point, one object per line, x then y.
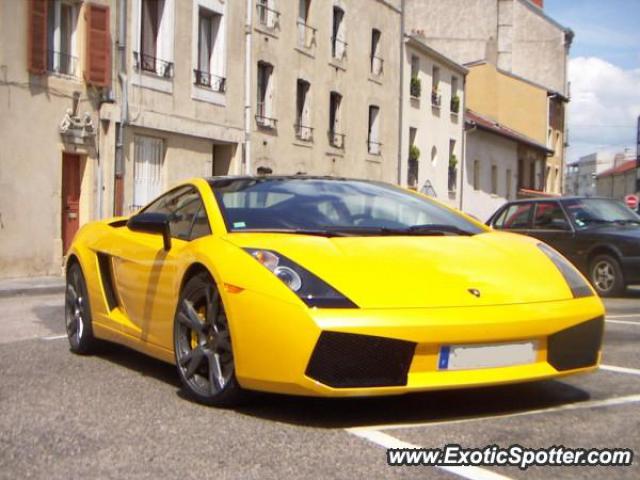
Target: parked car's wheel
{"type": "Point", "coordinates": [202, 344]}
{"type": "Point", "coordinates": [606, 276]}
{"type": "Point", "coordinates": [77, 312]}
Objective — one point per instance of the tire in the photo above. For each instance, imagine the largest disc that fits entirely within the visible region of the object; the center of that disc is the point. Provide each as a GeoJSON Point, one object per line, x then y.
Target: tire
{"type": "Point", "coordinates": [77, 313]}
{"type": "Point", "coordinates": [606, 276]}
{"type": "Point", "coordinates": [202, 345]}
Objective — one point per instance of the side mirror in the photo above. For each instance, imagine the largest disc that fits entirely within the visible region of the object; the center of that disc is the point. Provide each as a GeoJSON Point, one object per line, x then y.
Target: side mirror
{"type": "Point", "coordinates": [152, 223]}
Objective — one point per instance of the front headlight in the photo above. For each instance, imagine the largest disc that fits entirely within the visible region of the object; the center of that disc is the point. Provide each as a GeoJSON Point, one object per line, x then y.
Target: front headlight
{"type": "Point", "coordinates": [578, 285]}
{"type": "Point", "coordinates": [312, 290]}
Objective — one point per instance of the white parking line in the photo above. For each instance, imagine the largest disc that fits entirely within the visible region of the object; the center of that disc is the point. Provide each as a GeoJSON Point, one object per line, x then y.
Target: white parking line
{"type": "Point", "coordinates": [630, 315]}
{"type": "Point", "coordinates": [53, 337]}
{"type": "Point", "coordinates": [387, 441]}
{"type": "Point", "coordinates": [614, 368]}
{"type": "Point", "coordinates": [609, 402]}
{"type": "Point", "coordinates": [624, 322]}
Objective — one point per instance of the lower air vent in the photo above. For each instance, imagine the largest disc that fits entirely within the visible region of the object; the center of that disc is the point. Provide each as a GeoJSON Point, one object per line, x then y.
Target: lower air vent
{"type": "Point", "coordinates": [349, 360]}
{"type": "Point", "coordinates": [576, 347]}
{"type": "Point", "coordinates": [104, 264]}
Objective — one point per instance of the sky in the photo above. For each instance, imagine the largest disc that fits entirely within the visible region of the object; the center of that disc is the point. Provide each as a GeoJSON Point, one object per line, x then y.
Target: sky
{"type": "Point", "coordinates": [604, 70]}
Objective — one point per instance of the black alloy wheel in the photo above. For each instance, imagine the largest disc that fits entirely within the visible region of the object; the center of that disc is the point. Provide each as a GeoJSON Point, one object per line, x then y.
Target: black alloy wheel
{"type": "Point", "coordinates": [202, 345]}
{"type": "Point", "coordinates": [77, 312]}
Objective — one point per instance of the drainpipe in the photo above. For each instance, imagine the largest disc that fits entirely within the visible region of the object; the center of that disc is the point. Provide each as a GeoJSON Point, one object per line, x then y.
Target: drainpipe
{"type": "Point", "coordinates": [124, 107]}
{"type": "Point", "coordinates": [247, 88]}
{"type": "Point", "coordinates": [401, 109]}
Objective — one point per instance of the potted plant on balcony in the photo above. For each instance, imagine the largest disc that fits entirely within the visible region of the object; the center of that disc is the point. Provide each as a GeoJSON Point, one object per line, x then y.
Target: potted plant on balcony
{"type": "Point", "coordinates": [414, 155]}
{"type": "Point", "coordinates": [415, 87]}
{"type": "Point", "coordinates": [453, 172]}
{"type": "Point", "coordinates": [455, 104]}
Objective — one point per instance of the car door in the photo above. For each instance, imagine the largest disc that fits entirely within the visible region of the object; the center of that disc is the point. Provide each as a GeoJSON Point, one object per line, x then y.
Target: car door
{"type": "Point", "coordinates": [551, 225]}
{"type": "Point", "coordinates": [146, 274]}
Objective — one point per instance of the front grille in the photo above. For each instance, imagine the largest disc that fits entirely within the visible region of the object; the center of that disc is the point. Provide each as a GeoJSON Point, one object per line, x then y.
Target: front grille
{"type": "Point", "coordinates": [576, 347]}
{"type": "Point", "coordinates": [349, 360]}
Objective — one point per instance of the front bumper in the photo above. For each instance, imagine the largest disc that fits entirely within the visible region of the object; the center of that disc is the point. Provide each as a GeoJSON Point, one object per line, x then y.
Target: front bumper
{"type": "Point", "coordinates": [287, 348]}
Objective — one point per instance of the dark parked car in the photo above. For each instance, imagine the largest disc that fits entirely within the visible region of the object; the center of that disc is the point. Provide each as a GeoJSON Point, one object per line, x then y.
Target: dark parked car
{"type": "Point", "coordinates": [599, 235]}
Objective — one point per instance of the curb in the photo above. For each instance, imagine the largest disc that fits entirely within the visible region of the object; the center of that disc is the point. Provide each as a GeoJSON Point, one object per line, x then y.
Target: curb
{"type": "Point", "coordinates": [31, 290]}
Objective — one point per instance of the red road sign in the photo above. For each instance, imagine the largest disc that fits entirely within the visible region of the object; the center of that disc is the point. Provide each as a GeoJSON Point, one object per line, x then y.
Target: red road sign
{"type": "Point", "coordinates": [631, 201]}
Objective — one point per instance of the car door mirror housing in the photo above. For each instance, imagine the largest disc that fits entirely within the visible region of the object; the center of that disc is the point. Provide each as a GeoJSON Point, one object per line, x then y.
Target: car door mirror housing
{"type": "Point", "coordinates": [156, 223]}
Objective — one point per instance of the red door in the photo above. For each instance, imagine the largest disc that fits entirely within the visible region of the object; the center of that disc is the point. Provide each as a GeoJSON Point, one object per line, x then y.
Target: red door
{"type": "Point", "coordinates": [70, 198]}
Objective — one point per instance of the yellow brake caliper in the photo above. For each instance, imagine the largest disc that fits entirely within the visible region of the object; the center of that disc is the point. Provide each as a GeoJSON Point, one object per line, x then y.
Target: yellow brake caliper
{"type": "Point", "coordinates": [194, 335]}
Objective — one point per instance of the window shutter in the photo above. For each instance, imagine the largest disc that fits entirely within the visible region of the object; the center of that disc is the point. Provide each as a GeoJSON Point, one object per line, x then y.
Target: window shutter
{"type": "Point", "coordinates": [98, 62]}
{"type": "Point", "coordinates": [37, 39]}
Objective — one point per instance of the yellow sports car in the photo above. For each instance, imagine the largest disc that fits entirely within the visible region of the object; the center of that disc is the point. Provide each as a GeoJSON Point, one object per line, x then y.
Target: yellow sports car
{"type": "Point", "coordinates": [328, 287]}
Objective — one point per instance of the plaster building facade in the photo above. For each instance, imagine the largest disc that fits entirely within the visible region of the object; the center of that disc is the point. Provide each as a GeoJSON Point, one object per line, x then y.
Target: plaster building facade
{"type": "Point", "coordinates": [581, 175]}
{"type": "Point", "coordinates": [432, 121]}
{"type": "Point", "coordinates": [325, 87]}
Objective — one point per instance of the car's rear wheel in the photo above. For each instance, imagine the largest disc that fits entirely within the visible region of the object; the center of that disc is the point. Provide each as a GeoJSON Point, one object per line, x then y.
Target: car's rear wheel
{"type": "Point", "coordinates": [606, 276]}
{"type": "Point", "coordinates": [77, 312]}
{"type": "Point", "coordinates": [202, 344]}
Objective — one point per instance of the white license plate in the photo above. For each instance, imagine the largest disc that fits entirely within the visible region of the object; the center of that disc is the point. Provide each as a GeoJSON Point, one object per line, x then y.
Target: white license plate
{"type": "Point", "coordinates": [488, 355]}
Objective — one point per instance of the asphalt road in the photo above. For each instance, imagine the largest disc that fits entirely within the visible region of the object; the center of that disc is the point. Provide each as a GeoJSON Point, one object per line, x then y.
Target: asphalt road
{"type": "Point", "coordinates": [121, 415]}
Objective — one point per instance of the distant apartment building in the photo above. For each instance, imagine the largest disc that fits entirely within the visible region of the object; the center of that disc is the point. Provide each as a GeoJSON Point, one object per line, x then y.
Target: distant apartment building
{"type": "Point", "coordinates": [581, 175]}
{"type": "Point", "coordinates": [325, 88]}
{"type": "Point", "coordinates": [501, 42]}
{"type": "Point", "coordinates": [432, 121]}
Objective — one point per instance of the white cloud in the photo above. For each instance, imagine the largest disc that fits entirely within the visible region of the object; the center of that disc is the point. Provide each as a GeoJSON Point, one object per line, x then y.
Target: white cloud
{"type": "Point", "coordinates": [605, 103]}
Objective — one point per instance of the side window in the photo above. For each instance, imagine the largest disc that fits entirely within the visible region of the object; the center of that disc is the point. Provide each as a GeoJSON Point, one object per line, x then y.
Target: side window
{"type": "Point", "coordinates": [187, 216]}
{"type": "Point", "coordinates": [549, 216]}
{"type": "Point", "coordinates": [515, 216]}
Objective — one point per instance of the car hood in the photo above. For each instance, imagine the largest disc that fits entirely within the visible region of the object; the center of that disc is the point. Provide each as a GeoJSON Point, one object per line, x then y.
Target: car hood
{"type": "Point", "coordinates": [423, 271]}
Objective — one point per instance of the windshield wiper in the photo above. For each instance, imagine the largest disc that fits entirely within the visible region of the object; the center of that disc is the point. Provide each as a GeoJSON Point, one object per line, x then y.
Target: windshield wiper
{"type": "Point", "coordinates": [296, 231]}
{"type": "Point", "coordinates": [435, 229]}
{"type": "Point", "coordinates": [626, 221]}
{"type": "Point", "coordinates": [414, 230]}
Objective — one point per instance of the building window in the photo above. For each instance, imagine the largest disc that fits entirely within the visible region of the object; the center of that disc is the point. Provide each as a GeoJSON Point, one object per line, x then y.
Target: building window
{"type": "Point", "coordinates": [62, 21]}
{"type": "Point", "coordinates": [264, 111]}
{"type": "Point", "coordinates": [268, 16]}
{"type": "Point", "coordinates": [155, 39]}
{"type": "Point", "coordinates": [415, 86]}
{"type": "Point", "coordinates": [376, 55]}
{"type": "Point", "coordinates": [494, 180]}
{"type": "Point", "coordinates": [209, 71]}
{"type": "Point", "coordinates": [414, 156]}
{"type": "Point", "coordinates": [508, 184]}
{"type": "Point", "coordinates": [306, 33]}
{"type": "Point", "coordinates": [476, 175]}
{"type": "Point", "coordinates": [338, 39]}
{"type": "Point", "coordinates": [435, 86]}
{"type": "Point", "coordinates": [373, 140]}
{"type": "Point", "coordinates": [455, 97]}
{"type": "Point", "coordinates": [303, 129]}
{"type": "Point", "coordinates": [453, 166]}
{"type": "Point", "coordinates": [148, 180]}
{"type": "Point", "coordinates": [336, 138]}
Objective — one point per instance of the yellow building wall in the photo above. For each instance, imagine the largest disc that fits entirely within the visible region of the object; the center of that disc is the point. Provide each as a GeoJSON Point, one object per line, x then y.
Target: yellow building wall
{"type": "Point", "coordinates": [508, 100]}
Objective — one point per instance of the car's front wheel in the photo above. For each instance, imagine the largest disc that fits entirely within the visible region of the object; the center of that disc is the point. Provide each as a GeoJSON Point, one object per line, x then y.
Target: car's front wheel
{"type": "Point", "coordinates": [606, 276]}
{"type": "Point", "coordinates": [202, 344]}
{"type": "Point", "coordinates": [77, 312]}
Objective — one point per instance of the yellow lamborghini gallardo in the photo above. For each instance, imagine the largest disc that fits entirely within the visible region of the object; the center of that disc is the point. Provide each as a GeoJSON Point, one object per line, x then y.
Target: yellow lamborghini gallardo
{"type": "Point", "coordinates": [328, 287]}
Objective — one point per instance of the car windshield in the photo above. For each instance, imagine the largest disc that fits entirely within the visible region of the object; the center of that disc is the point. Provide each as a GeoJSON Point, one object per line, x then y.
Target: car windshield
{"type": "Point", "coordinates": [332, 207]}
{"type": "Point", "coordinates": [599, 211]}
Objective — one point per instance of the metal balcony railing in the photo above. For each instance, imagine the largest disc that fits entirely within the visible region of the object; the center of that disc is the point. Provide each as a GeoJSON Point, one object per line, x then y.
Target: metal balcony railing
{"type": "Point", "coordinates": [63, 63]}
{"type": "Point", "coordinates": [336, 139]}
{"type": "Point", "coordinates": [209, 80]}
{"type": "Point", "coordinates": [338, 48]}
{"type": "Point", "coordinates": [377, 64]}
{"type": "Point", "coordinates": [436, 99]}
{"type": "Point", "coordinates": [151, 64]}
{"type": "Point", "coordinates": [267, 17]}
{"type": "Point", "coordinates": [265, 122]}
{"type": "Point", "coordinates": [303, 132]}
{"type": "Point", "coordinates": [306, 35]}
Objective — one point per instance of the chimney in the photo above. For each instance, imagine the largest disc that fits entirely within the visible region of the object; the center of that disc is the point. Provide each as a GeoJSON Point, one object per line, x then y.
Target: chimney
{"type": "Point", "coordinates": [539, 3]}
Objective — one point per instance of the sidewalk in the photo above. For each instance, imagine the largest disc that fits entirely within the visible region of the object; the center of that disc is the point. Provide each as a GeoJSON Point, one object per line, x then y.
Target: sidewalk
{"type": "Point", "coordinates": [11, 287]}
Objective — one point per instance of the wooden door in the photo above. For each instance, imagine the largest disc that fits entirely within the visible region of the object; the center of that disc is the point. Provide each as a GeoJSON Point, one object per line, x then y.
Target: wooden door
{"type": "Point", "coordinates": [71, 180]}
